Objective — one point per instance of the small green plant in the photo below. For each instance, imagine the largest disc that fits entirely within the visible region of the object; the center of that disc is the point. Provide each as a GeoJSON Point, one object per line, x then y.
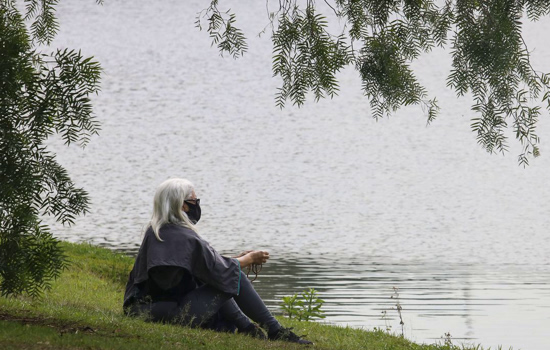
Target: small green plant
{"type": "Point", "coordinates": [305, 308]}
{"type": "Point", "coordinates": [385, 319]}
{"type": "Point", "coordinates": [447, 338]}
{"type": "Point", "coordinates": [291, 305]}
{"type": "Point", "coordinates": [398, 307]}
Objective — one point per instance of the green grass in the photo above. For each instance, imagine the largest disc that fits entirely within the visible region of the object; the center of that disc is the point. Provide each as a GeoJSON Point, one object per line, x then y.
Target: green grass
{"type": "Point", "coordinates": [83, 311]}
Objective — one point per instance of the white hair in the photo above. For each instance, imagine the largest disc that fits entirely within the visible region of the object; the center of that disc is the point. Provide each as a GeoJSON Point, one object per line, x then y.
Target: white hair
{"type": "Point", "coordinates": [168, 203]}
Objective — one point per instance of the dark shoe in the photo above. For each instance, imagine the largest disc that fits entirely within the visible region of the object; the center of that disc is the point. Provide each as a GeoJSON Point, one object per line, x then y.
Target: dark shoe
{"type": "Point", "coordinates": [286, 334]}
{"type": "Point", "coordinates": [253, 330]}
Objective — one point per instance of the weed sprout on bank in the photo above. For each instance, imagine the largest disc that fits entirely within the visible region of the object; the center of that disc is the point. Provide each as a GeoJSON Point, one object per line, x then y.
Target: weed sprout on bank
{"type": "Point", "coordinates": [304, 307]}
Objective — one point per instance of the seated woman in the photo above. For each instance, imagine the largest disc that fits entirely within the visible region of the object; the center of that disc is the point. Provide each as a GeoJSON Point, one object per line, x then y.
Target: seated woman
{"type": "Point", "coordinates": [179, 278]}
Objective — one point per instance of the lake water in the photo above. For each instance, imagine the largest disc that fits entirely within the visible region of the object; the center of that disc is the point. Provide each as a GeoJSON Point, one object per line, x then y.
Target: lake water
{"type": "Point", "coordinates": [347, 205]}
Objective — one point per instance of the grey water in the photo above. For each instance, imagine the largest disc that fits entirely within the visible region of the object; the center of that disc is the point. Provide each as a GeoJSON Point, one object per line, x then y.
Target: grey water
{"type": "Point", "coordinates": [348, 205]}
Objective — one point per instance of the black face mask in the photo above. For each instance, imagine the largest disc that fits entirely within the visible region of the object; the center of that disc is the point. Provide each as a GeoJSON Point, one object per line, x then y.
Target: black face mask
{"type": "Point", "coordinates": [194, 213]}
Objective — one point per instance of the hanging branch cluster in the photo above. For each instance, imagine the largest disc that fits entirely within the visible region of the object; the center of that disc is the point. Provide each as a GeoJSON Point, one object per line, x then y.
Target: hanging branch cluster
{"type": "Point", "coordinates": [40, 95]}
{"type": "Point", "coordinates": [228, 38]}
{"type": "Point", "coordinates": [306, 56]}
{"type": "Point", "coordinates": [491, 61]}
{"type": "Point", "coordinates": [381, 38]}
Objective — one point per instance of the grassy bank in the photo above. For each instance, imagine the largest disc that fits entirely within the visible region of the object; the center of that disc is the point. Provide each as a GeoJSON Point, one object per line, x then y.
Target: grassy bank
{"type": "Point", "coordinates": [83, 311]}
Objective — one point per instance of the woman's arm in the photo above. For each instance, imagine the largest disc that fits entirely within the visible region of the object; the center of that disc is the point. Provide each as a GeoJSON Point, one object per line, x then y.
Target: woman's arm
{"type": "Point", "coordinates": [242, 254]}
{"type": "Point", "coordinates": [256, 257]}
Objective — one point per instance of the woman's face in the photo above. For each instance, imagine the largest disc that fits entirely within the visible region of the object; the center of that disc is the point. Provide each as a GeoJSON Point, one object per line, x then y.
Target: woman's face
{"type": "Point", "coordinates": [192, 199]}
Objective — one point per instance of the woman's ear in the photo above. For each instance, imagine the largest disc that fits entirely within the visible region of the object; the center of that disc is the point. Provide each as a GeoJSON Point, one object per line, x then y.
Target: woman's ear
{"type": "Point", "coordinates": [185, 208]}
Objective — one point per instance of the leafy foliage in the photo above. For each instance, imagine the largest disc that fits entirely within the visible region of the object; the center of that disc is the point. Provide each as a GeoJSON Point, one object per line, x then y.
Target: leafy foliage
{"type": "Point", "coordinates": [223, 33]}
{"type": "Point", "coordinates": [381, 38]}
{"type": "Point", "coordinates": [40, 95]}
{"type": "Point", "coordinates": [291, 305]}
{"type": "Point", "coordinates": [304, 309]}
{"type": "Point", "coordinates": [491, 60]}
{"type": "Point", "coordinates": [306, 56]}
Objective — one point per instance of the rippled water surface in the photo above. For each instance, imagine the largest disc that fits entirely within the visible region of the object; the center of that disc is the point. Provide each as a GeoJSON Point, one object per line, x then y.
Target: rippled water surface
{"type": "Point", "coordinates": [345, 204]}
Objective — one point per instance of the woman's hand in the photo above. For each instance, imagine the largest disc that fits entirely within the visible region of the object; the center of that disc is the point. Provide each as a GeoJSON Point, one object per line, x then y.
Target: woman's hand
{"type": "Point", "coordinates": [259, 257]}
{"type": "Point", "coordinates": [255, 257]}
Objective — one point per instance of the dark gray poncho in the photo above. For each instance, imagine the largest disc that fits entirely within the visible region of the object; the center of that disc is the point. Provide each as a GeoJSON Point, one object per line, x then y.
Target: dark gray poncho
{"type": "Point", "coordinates": [181, 247]}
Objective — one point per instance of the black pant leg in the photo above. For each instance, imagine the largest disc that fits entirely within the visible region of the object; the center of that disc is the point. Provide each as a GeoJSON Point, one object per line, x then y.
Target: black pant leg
{"type": "Point", "coordinates": [254, 307]}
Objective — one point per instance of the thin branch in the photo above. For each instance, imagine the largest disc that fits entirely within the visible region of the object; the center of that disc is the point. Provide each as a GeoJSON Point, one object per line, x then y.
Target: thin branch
{"type": "Point", "coordinates": [333, 9]}
{"type": "Point", "coordinates": [529, 57]}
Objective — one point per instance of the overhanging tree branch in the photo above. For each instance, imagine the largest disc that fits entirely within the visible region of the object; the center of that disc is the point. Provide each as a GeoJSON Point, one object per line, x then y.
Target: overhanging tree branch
{"type": "Point", "coordinates": [383, 37]}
